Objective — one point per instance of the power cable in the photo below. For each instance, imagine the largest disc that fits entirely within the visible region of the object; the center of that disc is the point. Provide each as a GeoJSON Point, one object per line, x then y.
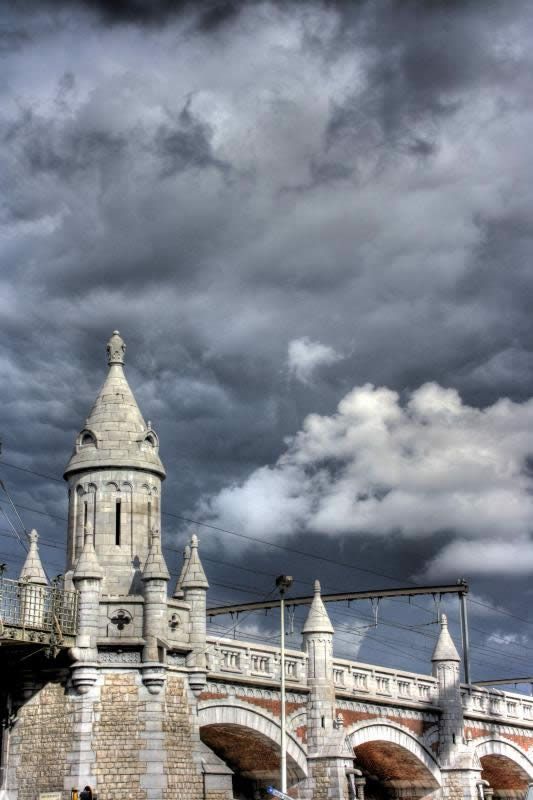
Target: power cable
{"type": "Point", "coordinates": [234, 533]}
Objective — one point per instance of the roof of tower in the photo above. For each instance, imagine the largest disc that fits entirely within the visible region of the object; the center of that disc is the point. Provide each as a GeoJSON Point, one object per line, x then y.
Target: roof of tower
{"type": "Point", "coordinates": [445, 649]}
{"type": "Point", "coordinates": [317, 620]}
{"type": "Point", "coordinates": [33, 571]}
{"type": "Point", "coordinates": [115, 433]}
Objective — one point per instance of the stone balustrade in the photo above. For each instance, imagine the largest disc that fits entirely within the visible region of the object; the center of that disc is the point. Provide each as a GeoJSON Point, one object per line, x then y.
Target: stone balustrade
{"type": "Point", "coordinates": [231, 658]}
{"type": "Point", "coordinates": [383, 683]}
{"type": "Point", "coordinates": [484, 702]}
{"type": "Point", "coordinates": [235, 658]}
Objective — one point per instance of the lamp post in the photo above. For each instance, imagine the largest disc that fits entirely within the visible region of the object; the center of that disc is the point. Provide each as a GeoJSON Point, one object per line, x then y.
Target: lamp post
{"type": "Point", "coordinates": [283, 582]}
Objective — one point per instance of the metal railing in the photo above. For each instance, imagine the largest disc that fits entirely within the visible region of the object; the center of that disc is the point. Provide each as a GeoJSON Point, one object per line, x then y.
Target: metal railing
{"type": "Point", "coordinates": [33, 613]}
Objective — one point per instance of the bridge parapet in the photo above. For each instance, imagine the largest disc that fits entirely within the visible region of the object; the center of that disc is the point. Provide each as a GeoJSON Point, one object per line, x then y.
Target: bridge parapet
{"type": "Point", "coordinates": [233, 658]}
{"type": "Point", "coordinates": [382, 683]}
{"type": "Point", "coordinates": [488, 703]}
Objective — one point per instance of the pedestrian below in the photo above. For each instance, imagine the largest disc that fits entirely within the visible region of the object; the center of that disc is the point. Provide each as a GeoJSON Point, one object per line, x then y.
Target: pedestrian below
{"type": "Point", "coordinates": [87, 794]}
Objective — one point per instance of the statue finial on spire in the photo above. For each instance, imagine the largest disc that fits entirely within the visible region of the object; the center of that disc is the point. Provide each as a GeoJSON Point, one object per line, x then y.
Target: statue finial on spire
{"type": "Point", "coordinates": [116, 349]}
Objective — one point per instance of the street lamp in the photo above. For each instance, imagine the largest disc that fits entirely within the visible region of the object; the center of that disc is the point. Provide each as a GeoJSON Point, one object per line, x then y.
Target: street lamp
{"type": "Point", "coordinates": [283, 582]}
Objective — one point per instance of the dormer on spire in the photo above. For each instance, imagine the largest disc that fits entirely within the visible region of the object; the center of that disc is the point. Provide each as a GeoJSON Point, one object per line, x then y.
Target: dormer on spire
{"type": "Point", "coordinates": [33, 571]}
{"type": "Point", "coordinates": [116, 349]}
{"type": "Point", "coordinates": [317, 620]}
{"type": "Point", "coordinates": [445, 649]}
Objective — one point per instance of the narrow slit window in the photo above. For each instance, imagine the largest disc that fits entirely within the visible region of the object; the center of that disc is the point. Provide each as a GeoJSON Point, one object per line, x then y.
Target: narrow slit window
{"type": "Point", "coordinates": [117, 523]}
{"type": "Point", "coordinates": [149, 517]}
{"type": "Point", "coordinates": [85, 515]}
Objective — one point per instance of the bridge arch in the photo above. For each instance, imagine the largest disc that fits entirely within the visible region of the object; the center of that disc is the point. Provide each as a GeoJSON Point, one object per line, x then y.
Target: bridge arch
{"type": "Point", "coordinates": [248, 739]}
{"type": "Point", "coordinates": [505, 765]}
{"type": "Point", "coordinates": [393, 760]}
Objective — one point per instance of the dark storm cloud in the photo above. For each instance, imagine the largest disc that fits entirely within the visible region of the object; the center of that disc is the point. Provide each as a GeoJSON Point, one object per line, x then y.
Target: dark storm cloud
{"type": "Point", "coordinates": [211, 15]}
{"type": "Point", "coordinates": [230, 183]}
{"type": "Point", "coordinates": [187, 144]}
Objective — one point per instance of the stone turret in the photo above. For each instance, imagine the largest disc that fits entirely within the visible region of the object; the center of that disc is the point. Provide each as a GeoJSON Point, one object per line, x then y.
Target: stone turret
{"type": "Point", "coordinates": [114, 477]}
{"type": "Point", "coordinates": [328, 756]}
{"type": "Point", "coordinates": [155, 577]}
{"type": "Point", "coordinates": [318, 643]}
{"type": "Point", "coordinates": [87, 579]}
{"type": "Point", "coordinates": [456, 759]}
{"type": "Point", "coordinates": [32, 596]}
{"type": "Point", "coordinates": [446, 665]}
{"type": "Point", "coordinates": [195, 586]}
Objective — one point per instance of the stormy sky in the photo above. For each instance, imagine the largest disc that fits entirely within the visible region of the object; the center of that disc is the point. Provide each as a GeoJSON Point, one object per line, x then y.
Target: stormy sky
{"type": "Point", "coordinates": [312, 224]}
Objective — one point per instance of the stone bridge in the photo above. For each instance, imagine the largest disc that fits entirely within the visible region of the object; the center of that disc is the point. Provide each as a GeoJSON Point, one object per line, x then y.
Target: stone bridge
{"type": "Point", "coordinates": [389, 721]}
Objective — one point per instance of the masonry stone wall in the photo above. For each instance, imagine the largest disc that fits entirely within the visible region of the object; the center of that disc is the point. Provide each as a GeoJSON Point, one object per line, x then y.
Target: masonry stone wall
{"type": "Point", "coordinates": [118, 736]}
{"type": "Point", "coordinates": [39, 741]}
{"type": "Point", "coordinates": [183, 774]}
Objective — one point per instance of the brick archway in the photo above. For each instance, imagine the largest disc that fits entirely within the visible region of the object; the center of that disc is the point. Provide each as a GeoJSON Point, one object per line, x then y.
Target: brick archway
{"type": "Point", "coordinates": [506, 766]}
{"type": "Point", "coordinates": [393, 760]}
{"type": "Point", "coordinates": [233, 730]}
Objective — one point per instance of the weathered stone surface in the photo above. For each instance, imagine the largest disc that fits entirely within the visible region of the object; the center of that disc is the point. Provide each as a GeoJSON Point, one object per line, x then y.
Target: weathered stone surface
{"type": "Point", "coordinates": [40, 741]}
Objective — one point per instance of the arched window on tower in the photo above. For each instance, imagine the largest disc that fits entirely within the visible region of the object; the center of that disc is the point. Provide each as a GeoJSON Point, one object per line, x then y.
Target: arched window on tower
{"type": "Point", "coordinates": [117, 522]}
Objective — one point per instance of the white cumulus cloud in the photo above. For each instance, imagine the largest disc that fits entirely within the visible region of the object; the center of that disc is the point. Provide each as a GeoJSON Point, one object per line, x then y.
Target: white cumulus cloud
{"type": "Point", "coordinates": [305, 356]}
{"type": "Point", "coordinates": [378, 466]}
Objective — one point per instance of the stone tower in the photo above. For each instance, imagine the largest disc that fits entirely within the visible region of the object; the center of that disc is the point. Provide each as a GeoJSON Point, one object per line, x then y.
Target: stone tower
{"type": "Point", "coordinates": [114, 477]}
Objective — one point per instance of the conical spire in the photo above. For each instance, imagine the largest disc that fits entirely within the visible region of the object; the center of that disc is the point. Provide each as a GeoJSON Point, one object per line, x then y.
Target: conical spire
{"type": "Point", "coordinates": [195, 577]}
{"type": "Point", "coordinates": [33, 571]}
{"type": "Point", "coordinates": [115, 433]}
{"type": "Point", "coordinates": [445, 649]}
{"type": "Point", "coordinates": [155, 567]}
{"type": "Point", "coordinates": [87, 565]}
{"type": "Point", "coordinates": [317, 619]}
{"type": "Point", "coordinates": [178, 591]}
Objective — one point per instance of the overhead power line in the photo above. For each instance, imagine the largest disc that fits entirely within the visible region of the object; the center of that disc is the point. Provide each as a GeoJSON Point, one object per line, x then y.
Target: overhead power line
{"type": "Point", "coordinates": [244, 536]}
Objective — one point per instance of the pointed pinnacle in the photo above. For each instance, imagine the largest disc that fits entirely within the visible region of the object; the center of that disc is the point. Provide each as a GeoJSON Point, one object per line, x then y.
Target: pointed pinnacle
{"type": "Point", "coordinates": [178, 591]}
{"type": "Point", "coordinates": [445, 649]}
{"type": "Point", "coordinates": [155, 567]}
{"type": "Point", "coordinates": [195, 577]}
{"type": "Point", "coordinates": [33, 571]}
{"type": "Point", "coordinates": [87, 565]}
{"type": "Point", "coordinates": [317, 620]}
